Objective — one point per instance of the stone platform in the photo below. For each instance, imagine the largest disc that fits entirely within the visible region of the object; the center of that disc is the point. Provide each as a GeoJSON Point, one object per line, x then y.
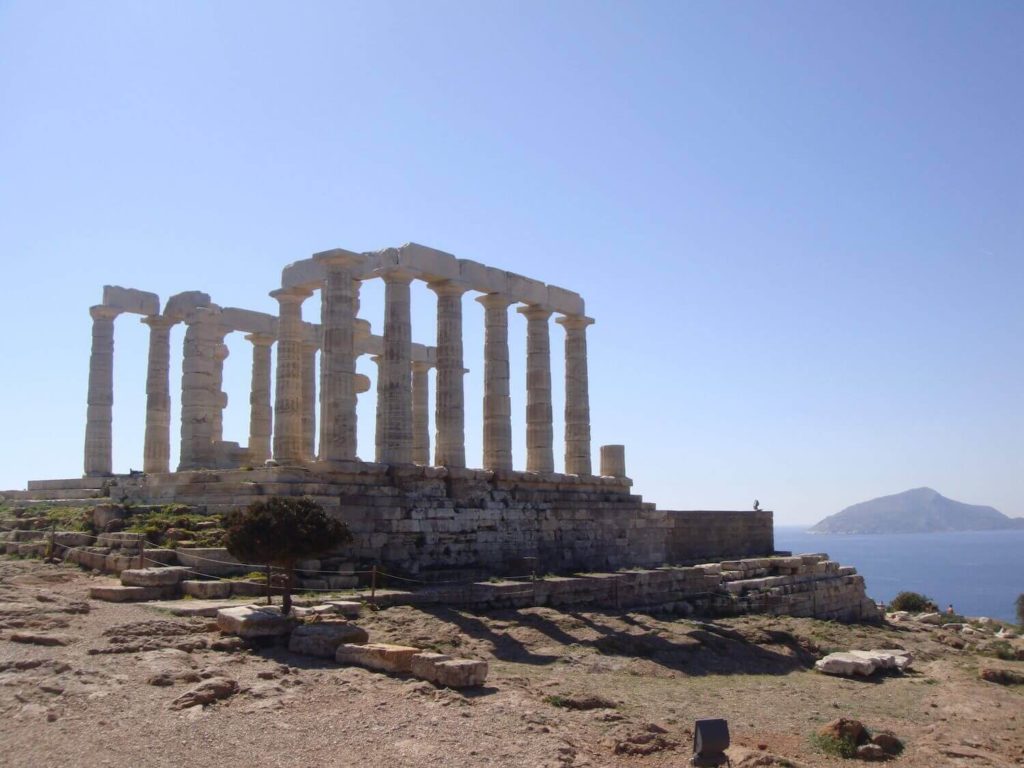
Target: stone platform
{"type": "Point", "coordinates": [440, 523]}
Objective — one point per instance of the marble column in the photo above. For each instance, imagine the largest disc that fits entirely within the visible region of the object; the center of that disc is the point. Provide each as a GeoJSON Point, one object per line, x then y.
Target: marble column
{"type": "Point", "coordinates": [220, 354]}
{"type": "Point", "coordinates": [450, 408]}
{"type": "Point", "coordinates": [539, 431]}
{"type": "Point", "coordinates": [100, 400]}
{"type": "Point", "coordinates": [420, 412]}
{"type": "Point", "coordinates": [577, 395]}
{"type": "Point", "coordinates": [394, 386]}
{"type": "Point", "coordinates": [497, 402]}
{"type": "Point", "coordinates": [156, 453]}
{"type": "Point", "coordinates": [261, 413]}
{"type": "Point", "coordinates": [339, 305]}
{"type": "Point", "coordinates": [309, 349]}
{"type": "Point", "coordinates": [378, 429]}
{"type": "Point", "coordinates": [200, 395]}
{"type": "Point", "coordinates": [288, 392]}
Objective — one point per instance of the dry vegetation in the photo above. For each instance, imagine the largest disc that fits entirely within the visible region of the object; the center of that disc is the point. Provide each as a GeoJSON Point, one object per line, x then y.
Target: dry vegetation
{"type": "Point", "coordinates": [88, 683]}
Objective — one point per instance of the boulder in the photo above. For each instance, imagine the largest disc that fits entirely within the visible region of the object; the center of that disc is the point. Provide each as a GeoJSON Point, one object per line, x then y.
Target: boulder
{"type": "Point", "coordinates": [381, 656]}
{"type": "Point", "coordinates": [323, 638]}
{"type": "Point", "coordinates": [154, 577]}
{"type": "Point", "coordinates": [348, 608]}
{"type": "Point", "coordinates": [887, 658]}
{"type": "Point", "coordinates": [1002, 676]}
{"type": "Point", "coordinates": [844, 729]}
{"type": "Point", "coordinates": [929, 618]}
{"type": "Point", "coordinates": [105, 513]}
{"type": "Point", "coordinates": [845, 665]}
{"type": "Point", "coordinates": [888, 742]}
{"type": "Point", "coordinates": [871, 752]}
{"type": "Point", "coordinates": [207, 590]}
{"type": "Point", "coordinates": [255, 621]}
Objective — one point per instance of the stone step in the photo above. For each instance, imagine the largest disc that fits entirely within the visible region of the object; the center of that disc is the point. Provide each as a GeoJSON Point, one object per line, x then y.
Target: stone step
{"type": "Point", "coordinates": [122, 594]}
{"type": "Point", "coordinates": [168, 576]}
{"type": "Point", "coordinates": [58, 494]}
{"type": "Point", "coordinates": [81, 502]}
{"type": "Point", "coordinates": [74, 482]}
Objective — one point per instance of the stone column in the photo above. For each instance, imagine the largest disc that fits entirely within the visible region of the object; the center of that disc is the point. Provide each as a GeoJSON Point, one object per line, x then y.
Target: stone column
{"type": "Point", "coordinates": [288, 393]}
{"type": "Point", "coordinates": [200, 395]}
{"type": "Point", "coordinates": [577, 395]}
{"type": "Point", "coordinates": [220, 354]}
{"type": "Point", "coordinates": [420, 413]}
{"type": "Point", "coordinates": [339, 305]}
{"type": "Point", "coordinates": [394, 386]}
{"type": "Point", "coordinates": [309, 400]}
{"type": "Point", "coordinates": [497, 402]}
{"type": "Point", "coordinates": [613, 460]}
{"type": "Point", "coordinates": [539, 432]}
{"type": "Point", "coordinates": [378, 429]}
{"type": "Point", "coordinates": [261, 413]}
{"type": "Point", "coordinates": [100, 400]}
{"type": "Point", "coordinates": [450, 409]}
{"type": "Point", "coordinates": [156, 453]}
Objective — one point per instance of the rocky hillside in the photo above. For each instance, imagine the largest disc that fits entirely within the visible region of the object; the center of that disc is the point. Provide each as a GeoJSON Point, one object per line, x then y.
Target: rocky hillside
{"type": "Point", "coordinates": [920, 510]}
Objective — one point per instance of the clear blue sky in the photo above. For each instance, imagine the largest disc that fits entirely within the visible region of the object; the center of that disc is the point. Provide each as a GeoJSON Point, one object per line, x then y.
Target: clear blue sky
{"type": "Point", "coordinates": [799, 225]}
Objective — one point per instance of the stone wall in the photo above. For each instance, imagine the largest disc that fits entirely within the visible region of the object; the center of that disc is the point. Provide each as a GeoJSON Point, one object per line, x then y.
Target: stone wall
{"type": "Point", "coordinates": [705, 535]}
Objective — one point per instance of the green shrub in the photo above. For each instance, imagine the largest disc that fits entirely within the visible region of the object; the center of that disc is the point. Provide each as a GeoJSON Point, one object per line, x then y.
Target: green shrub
{"type": "Point", "coordinates": [280, 532]}
{"type": "Point", "coordinates": [837, 747]}
{"type": "Point", "coordinates": [913, 602]}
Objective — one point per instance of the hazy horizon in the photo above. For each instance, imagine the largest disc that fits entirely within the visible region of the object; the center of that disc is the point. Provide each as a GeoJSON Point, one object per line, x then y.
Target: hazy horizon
{"type": "Point", "coordinates": [799, 226]}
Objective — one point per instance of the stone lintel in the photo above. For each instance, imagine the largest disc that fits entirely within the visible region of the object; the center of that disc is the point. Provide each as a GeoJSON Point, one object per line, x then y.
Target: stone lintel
{"type": "Point", "coordinates": [131, 300]}
{"type": "Point", "coordinates": [181, 304]}
{"type": "Point", "coordinates": [249, 321]}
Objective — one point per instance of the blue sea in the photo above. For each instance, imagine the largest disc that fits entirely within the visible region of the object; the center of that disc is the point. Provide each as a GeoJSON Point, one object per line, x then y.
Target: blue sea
{"type": "Point", "coordinates": [979, 572]}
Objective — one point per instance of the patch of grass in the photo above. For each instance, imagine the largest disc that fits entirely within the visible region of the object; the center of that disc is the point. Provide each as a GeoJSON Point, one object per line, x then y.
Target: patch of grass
{"type": "Point", "coordinates": [830, 745]}
{"type": "Point", "coordinates": [1000, 649]}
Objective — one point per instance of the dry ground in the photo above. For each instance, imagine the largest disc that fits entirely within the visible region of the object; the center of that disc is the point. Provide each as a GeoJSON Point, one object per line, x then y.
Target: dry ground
{"type": "Point", "coordinates": [85, 701]}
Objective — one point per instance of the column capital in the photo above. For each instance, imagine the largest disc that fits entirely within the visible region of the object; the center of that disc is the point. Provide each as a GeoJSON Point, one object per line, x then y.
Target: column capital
{"type": "Point", "coordinates": [448, 287]}
{"type": "Point", "coordinates": [399, 275]}
{"type": "Point", "coordinates": [535, 312]}
{"type": "Point", "coordinates": [103, 312]}
{"type": "Point", "coordinates": [574, 322]}
{"type": "Point", "coordinates": [260, 339]}
{"type": "Point", "coordinates": [339, 258]}
{"type": "Point", "coordinates": [158, 322]}
{"type": "Point", "coordinates": [421, 366]}
{"type": "Point", "coordinates": [295, 295]}
{"type": "Point", "coordinates": [495, 300]}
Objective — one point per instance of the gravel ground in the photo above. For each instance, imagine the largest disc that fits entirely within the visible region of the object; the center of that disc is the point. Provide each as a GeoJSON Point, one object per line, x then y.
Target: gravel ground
{"type": "Point", "coordinates": [87, 683]}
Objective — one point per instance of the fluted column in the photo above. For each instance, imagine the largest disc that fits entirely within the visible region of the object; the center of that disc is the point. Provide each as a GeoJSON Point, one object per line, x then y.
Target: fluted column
{"type": "Point", "coordinates": [450, 408]}
{"type": "Point", "coordinates": [220, 354]}
{"type": "Point", "coordinates": [260, 411]}
{"type": "Point", "coordinates": [156, 452]}
{"type": "Point", "coordinates": [309, 349]}
{"type": "Point", "coordinates": [394, 386]}
{"type": "Point", "coordinates": [539, 431]}
{"type": "Point", "coordinates": [577, 395]}
{"type": "Point", "coordinates": [100, 400]}
{"type": "Point", "coordinates": [339, 305]}
{"type": "Point", "coordinates": [378, 429]}
{"type": "Point", "coordinates": [288, 391]}
{"type": "Point", "coordinates": [420, 412]}
{"type": "Point", "coordinates": [200, 395]}
{"type": "Point", "coordinates": [497, 402]}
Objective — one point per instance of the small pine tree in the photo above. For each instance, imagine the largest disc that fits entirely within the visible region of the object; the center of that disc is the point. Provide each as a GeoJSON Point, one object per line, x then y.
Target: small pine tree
{"type": "Point", "coordinates": [279, 532]}
{"type": "Point", "coordinates": [913, 602]}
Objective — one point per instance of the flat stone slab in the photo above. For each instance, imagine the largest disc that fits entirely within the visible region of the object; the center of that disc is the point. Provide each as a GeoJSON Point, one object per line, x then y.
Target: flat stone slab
{"type": "Point", "coordinates": [323, 638]}
{"type": "Point", "coordinates": [154, 577]}
{"type": "Point", "coordinates": [864, 663]}
{"type": "Point", "coordinates": [444, 671]}
{"type": "Point", "coordinates": [380, 656]}
{"type": "Point", "coordinates": [350, 609]}
{"type": "Point", "coordinates": [255, 621]}
{"type": "Point", "coordinates": [206, 590]}
{"type": "Point", "coordinates": [114, 594]}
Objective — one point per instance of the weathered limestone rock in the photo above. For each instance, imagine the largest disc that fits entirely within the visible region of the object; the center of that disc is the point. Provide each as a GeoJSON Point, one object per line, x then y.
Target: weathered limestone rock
{"type": "Point", "coordinates": [929, 618]}
{"type": "Point", "coordinates": [113, 594]}
{"type": "Point", "coordinates": [447, 672]}
{"type": "Point", "coordinates": [207, 590]}
{"type": "Point", "coordinates": [154, 577]}
{"type": "Point", "coordinates": [255, 621]}
{"type": "Point", "coordinates": [381, 656]}
{"type": "Point", "coordinates": [206, 692]}
{"type": "Point", "coordinates": [323, 638]}
{"type": "Point", "coordinates": [348, 608]}
{"type": "Point", "coordinates": [863, 663]}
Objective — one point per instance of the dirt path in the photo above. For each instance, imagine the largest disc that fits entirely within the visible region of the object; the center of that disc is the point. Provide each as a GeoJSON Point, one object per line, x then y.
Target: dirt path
{"type": "Point", "coordinates": [565, 689]}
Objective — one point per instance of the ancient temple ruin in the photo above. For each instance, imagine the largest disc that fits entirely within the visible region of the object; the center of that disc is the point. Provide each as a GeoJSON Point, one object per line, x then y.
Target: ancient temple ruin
{"type": "Point", "coordinates": [411, 509]}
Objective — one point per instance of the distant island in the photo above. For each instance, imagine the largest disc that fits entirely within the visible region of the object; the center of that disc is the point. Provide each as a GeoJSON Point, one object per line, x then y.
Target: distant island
{"type": "Point", "coordinates": [920, 510]}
